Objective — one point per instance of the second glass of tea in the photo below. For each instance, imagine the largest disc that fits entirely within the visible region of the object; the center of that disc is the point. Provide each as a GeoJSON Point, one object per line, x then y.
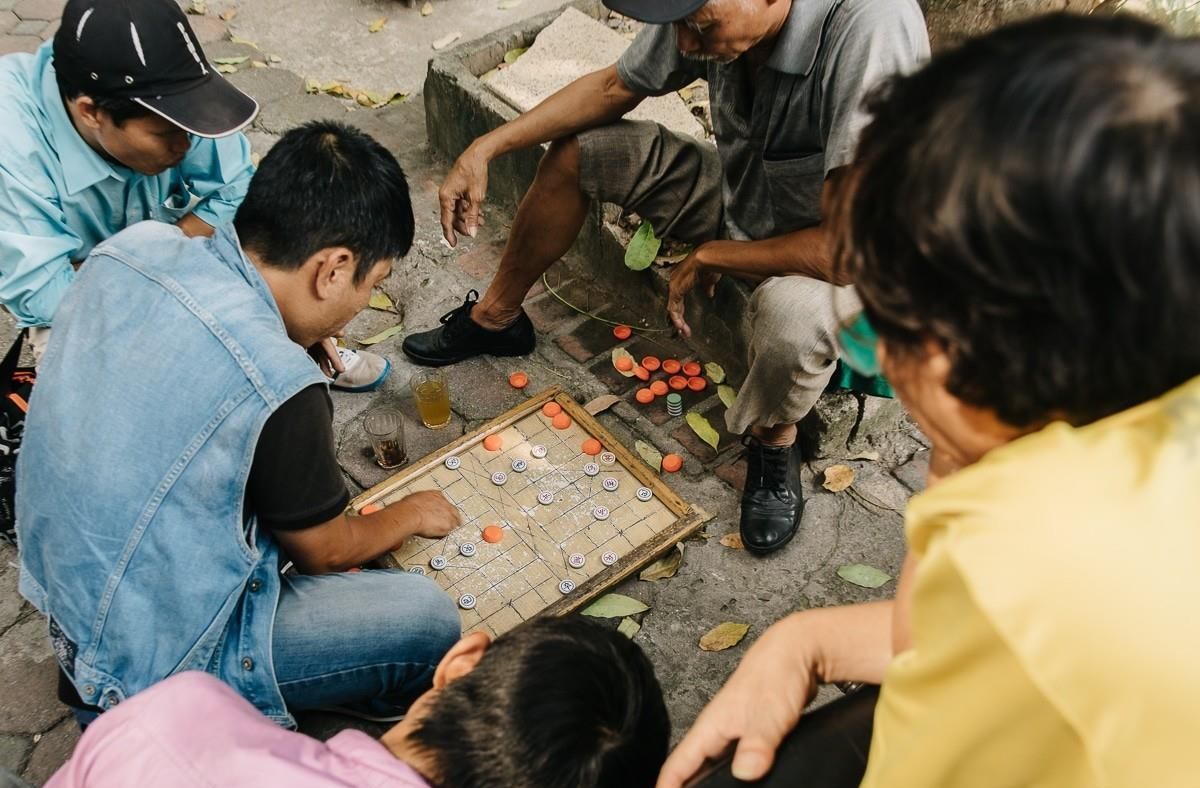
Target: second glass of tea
{"type": "Point", "coordinates": [432, 394]}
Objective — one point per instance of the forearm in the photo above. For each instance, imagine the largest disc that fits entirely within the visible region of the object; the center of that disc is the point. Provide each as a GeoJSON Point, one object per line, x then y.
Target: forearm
{"type": "Point", "coordinates": [593, 100]}
{"type": "Point", "coordinates": [801, 253]}
{"type": "Point", "coordinates": [851, 643]}
{"type": "Point", "coordinates": [354, 540]}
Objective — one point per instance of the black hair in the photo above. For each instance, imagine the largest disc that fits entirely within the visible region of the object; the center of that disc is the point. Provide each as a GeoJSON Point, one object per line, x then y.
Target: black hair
{"type": "Point", "coordinates": [119, 109]}
{"type": "Point", "coordinates": [1031, 202]}
{"type": "Point", "coordinates": [555, 703]}
{"type": "Point", "coordinates": [327, 184]}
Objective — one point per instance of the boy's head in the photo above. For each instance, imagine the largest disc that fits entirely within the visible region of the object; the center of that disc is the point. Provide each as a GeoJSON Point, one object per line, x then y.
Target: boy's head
{"type": "Point", "coordinates": [326, 214]}
{"type": "Point", "coordinates": [1021, 223]}
{"type": "Point", "coordinates": [556, 702]}
{"type": "Point", "coordinates": [136, 83]}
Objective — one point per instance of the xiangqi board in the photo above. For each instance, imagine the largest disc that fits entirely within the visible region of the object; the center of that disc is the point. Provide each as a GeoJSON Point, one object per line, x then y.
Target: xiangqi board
{"type": "Point", "coordinates": [554, 512]}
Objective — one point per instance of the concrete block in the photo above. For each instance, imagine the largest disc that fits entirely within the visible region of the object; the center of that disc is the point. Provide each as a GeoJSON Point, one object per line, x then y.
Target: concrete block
{"type": "Point", "coordinates": [8, 20]}
{"type": "Point", "coordinates": [571, 46]}
{"type": "Point", "coordinates": [44, 10]}
{"type": "Point", "coordinates": [29, 27]}
{"type": "Point", "coordinates": [291, 111]}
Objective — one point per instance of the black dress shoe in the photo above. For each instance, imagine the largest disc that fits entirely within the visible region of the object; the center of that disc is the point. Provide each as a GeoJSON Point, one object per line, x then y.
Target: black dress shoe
{"type": "Point", "coordinates": [771, 502]}
{"type": "Point", "coordinates": [460, 338]}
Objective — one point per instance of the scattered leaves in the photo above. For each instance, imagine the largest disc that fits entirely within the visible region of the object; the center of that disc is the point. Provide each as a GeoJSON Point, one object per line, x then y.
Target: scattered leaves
{"type": "Point", "coordinates": [198, 8]}
{"type": "Point", "coordinates": [642, 249]}
{"type": "Point", "coordinates": [727, 395]}
{"type": "Point", "coordinates": [733, 541]}
{"type": "Point", "coordinates": [620, 352]}
{"type": "Point", "coordinates": [724, 636]}
{"type": "Point", "coordinates": [614, 606]}
{"type": "Point", "coordinates": [716, 373]}
{"type": "Point", "coordinates": [505, 5]}
{"type": "Point", "coordinates": [601, 404]}
{"type": "Point", "coordinates": [365, 98]}
{"type": "Point", "coordinates": [838, 478]}
{"type": "Point", "coordinates": [243, 41]}
{"type": "Point", "coordinates": [380, 300]}
{"type": "Point", "coordinates": [664, 567]}
{"type": "Point", "coordinates": [863, 575]}
{"type": "Point", "coordinates": [274, 59]}
{"type": "Point", "coordinates": [704, 429]}
{"type": "Point", "coordinates": [377, 25]}
{"type": "Point", "coordinates": [312, 86]}
{"type": "Point", "coordinates": [628, 627]}
{"type": "Point", "coordinates": [382, 335]}
{"type": "Point", "coordinates": [227, 69]}
{"type": "Point", "coordinates": [650, 455]}
{"type": "Point", "coordinates": [230, 61]}
{"type": "Point", "coordinates": [228, 14]}
{"type": "Point", "coordinates": [447, 40]}
{"type": "Point", "coordinates": [512, 55]}
{"type": "Point", "coordinates": [427, 9]}
{"type": "Point", "coordinates": [258, 63]}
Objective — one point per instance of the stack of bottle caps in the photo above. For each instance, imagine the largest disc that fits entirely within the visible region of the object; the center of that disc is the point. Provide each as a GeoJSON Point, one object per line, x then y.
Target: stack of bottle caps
{"type": "Point", "coordinates": [674, 405]}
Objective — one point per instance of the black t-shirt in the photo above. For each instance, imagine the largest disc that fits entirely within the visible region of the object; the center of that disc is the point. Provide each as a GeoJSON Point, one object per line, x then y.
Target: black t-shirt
{"type": "Point", "coordinates": [295, 481]}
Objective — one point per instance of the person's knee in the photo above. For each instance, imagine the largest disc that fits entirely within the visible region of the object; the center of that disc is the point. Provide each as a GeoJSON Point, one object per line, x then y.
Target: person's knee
{"type": "Point", "coordinates": [788, 324]}
{"type": "Point", "coordinates": [422, 622]}
{"type": "Point", "coordinates": [561, 160]}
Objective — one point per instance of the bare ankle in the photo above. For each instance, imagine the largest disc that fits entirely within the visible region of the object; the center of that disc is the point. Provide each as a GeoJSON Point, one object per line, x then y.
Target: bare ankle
{"type": "Point", "coordinates": [778, 436]}
{"type": "Point", "coordinates": [494, 318]}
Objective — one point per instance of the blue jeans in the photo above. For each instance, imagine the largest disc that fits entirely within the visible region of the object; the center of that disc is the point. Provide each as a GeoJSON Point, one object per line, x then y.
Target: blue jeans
{"type": "Point", "coordinates": [366, 640]}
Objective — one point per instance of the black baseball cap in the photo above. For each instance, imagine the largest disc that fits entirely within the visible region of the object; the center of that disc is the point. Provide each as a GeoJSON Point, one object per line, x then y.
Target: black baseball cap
{"type": "Point", "coordinates": [146, 51]}
{"type": "Point", "coordinates": [656, 12]}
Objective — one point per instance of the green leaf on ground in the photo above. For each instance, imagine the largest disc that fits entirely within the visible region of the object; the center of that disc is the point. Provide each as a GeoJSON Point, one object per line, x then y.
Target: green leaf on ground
{"type": "Point", "coordinates": [427, 9]}
{"type": "Point", "coordinates": [628, 627]}
{"type": "Point", "coordinates": [227, 69]}
{"type": "Point", "coordinates": [614, 606]}
{"type": "Point", "coordinates": [650, 455]}
{"type": "Point", "coordinates": [704, 429]}
{"type": "Point", "coordinates": [664, 567]}
{"type": "Point", "coordinates": [716, 373]}
{"type": "Point", "coordinates": [382, 335]}
{"type": "Point", "coordinates": [198, 7]}
{"type": "Point", "coordinates": [642, 249]}
{"type": "Point", "coordinates": [727, 394]}
{"type": "Point", "coordinates": [512, 55]}
{"type": "Point", "coordinates": [243, 41]}
{"type": "Point", "coordinates": [724, 636]}
{"type": "Point", "coordinates": [863, 575]}
{"type": "Point", "coordinates": [230, 61]}
{"type": "Point", "coordinates": [380, 300]}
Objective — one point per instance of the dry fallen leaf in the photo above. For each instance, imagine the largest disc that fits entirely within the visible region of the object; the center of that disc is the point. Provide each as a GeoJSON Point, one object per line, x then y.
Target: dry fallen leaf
{"type": "Point", "coordinates": [724, 636]}
{"type": "Point", "coordinates": [614, 606]}
{"type": "Point", "coordinates": [274, 59]}
{"type": "Point", "coordinates": [601, 404]}
{"type": "Point", "coordinates": [198, 7]}
{"type": "Point", "coordinates": [447, 40]}
{"type": "Point", "coordinates": [628, 627]}
{"type": "Point", "coordinates": [650, 455]}
{"type": "Point", "coordinates": [380, 300]}
{"type": "Point", "coordinates": [243, 42]}
{"type": "Point", "coordinates": [228, 14]}
{"type": "Point", "coordinates": [733, 541]}
{"type": "Point", "coordinates": [716, 373]}
{"type": "Point", "coordinates": [312, 86]}
{"type": "Point", "coordinates": [382, 335]}
{"type": "Point", "coordinates": [863, 575]}
{"type": "Point", "coordinates": [230, 61]}
{"type": "Point", "coordinates": [505, 5]}
{"type": "Point", "coordinates": [227, 69]}
{"type": "Point", "coordinates": [838, 478]}
{"type": "Point", "coordinates": [512, 55]}
{"type": "Point", "coordinates": [258, 63]}
{"type": "Point", "coordinates": [703, 428]}
{"type": "Point", "coordinates": [664, 567]}
{"type": "Point", "coordinates": [427, 9]}
{"type": "Point", "coordinates": [377, 25]}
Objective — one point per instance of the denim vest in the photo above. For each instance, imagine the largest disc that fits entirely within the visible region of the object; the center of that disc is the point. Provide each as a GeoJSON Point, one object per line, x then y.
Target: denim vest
{"type": "Point", "coordinates": [167, 357]}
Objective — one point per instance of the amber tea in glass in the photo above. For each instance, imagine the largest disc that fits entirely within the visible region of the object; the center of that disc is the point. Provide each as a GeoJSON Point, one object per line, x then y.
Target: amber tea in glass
{"type": "Point", "coordinates": [432, 394]}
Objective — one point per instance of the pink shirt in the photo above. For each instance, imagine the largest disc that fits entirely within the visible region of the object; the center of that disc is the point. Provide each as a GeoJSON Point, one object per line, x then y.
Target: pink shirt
{"type": "Point", "coordinates": [193, 730]}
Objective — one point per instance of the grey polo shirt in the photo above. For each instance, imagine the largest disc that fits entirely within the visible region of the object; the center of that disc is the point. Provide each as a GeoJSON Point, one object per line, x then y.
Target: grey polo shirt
{"type": "Point", "coordinates": [781, 130]}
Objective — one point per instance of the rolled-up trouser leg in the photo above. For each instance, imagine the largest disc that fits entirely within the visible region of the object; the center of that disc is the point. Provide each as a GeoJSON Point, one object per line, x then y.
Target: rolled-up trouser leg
{"type": "Point", "coordinates": [793, 350]}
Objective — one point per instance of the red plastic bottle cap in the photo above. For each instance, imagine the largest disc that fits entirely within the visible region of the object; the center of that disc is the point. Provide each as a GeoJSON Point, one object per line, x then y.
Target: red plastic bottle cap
{"type": "Point", "coordinates": [651, 363]}
{"type": "Point", "coordinates": [672, 463]}
{"type": "Point", "coordinates": [493, 443]}
{"type": "Point", "coordinates": [551, 409]}
{"type": "Point", "coordinates": [518, 380]}
{"type": "Point", "coordinates": [697, 384]}
{"type": "Point", "coordinates": [645, 396]}
{"type": "Point", "coordinates": [692, 368]}
{"type": "Point", "coordinates": [678, 383]}
{"type": "Point", "coordinates": [659, 387]}
{"type": "Point", "coordinates": [622, 332]}
{"type": "Point", "coordinates": [671, 366]}
{"type": "Point", "coordinates": [592, 447]}
{"type": "Point", "coordinates": [624, 363]}
{"type": "Point", "coordinates": [561, 421]}
{"type": "Point", "coordinates": [640, 373]}
{"type": "Point", "coordinates": [493, 534]}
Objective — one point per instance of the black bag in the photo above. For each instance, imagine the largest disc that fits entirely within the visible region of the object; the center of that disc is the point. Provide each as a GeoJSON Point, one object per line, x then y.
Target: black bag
{"type": "Point", "coordinates": [16, 384]}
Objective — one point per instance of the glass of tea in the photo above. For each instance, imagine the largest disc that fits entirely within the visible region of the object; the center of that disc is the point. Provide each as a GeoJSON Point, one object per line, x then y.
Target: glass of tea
{"type": "Point", "coordinates": [432, 394]}
{"type": "Point", "coordinates": [385, 428]}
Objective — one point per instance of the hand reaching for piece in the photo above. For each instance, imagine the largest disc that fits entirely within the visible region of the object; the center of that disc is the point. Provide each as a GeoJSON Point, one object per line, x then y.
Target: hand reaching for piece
{"type": "Point", "coordinates": [435, 515]}
{"type": "Point", "coordinates": [685, 277]}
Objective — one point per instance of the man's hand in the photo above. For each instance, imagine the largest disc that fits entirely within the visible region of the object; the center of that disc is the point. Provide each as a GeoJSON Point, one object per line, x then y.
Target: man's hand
{"type": "Point", "coordinates": [686, 275]}
{"type": "Point", "coordinates": [437, 517]}
{"type": "Point", "coordinates": [462, 194]}
{"type": "Point", "coordinates": [325, 353]}
{"type": "Point", "coordinates": [757, 708]}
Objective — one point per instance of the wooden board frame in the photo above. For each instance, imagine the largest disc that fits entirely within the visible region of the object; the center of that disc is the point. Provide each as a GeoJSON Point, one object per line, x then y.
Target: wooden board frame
{"type": "Point", "coordinates": [688, 518]}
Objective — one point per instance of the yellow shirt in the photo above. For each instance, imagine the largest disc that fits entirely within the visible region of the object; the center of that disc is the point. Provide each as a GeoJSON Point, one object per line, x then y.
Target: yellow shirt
{"type": "Point", "coordinates": [1055, 614]}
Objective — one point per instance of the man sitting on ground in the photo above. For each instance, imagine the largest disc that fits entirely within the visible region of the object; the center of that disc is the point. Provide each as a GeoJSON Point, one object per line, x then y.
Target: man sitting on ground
{"type": "Point", "coordinates": [160, 491]}
{"type": "Point", "coordinates": [786, 78]}
{"type": "Point", "coordinates": [555, 702]}
{"type": "Point", "coordinates": [119, 119]}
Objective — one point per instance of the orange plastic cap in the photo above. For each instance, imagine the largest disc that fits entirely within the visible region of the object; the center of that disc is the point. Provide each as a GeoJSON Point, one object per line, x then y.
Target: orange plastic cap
{"type": "Point", "coordinates": [659, 387]}
{"type": "Point", "coordinates": [641, 373]}
{"type": "Point", "coordinates": [644, 396]}
{"type": "Point", "coordinates": [697, 384]}
{"type": "Point", "coordinates": [493, 443]}
{"type": "Point", "coordinates": [671, 366]}
{"type": "Point", "coordinates": [551, 409]}
{"type": "Point", "coordinates": [493, 534]}
{"type": "Point", "coordinates": [518, 380]}
{"type": "Point", "coordinates": [672, 463]}
{"type": "Point", "coordinates": [561, 421]}
{"type": "Point", "coordinates": [592, 447]}
{"type": "Point", "coordinates": [624, 363]}
{"type": "Point", "coordinates": [622, 332]}
{"type": "Point", "coordinates": [651, 363]}
{"type": "Point", "coordinates": [678, 383]}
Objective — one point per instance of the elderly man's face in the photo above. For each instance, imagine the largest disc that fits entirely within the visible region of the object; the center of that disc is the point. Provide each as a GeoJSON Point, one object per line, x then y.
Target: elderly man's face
{"type": "Point", "coordinates": [723, 30]}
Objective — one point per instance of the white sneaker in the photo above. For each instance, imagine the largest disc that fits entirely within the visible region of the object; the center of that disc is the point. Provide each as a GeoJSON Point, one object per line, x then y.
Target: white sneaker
{"type": "Point", "coordinates": [365, 371]}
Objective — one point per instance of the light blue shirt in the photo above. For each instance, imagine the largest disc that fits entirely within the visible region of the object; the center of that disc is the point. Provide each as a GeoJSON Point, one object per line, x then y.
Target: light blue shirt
{"type": "Point", "coordinates": [59, 198]}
